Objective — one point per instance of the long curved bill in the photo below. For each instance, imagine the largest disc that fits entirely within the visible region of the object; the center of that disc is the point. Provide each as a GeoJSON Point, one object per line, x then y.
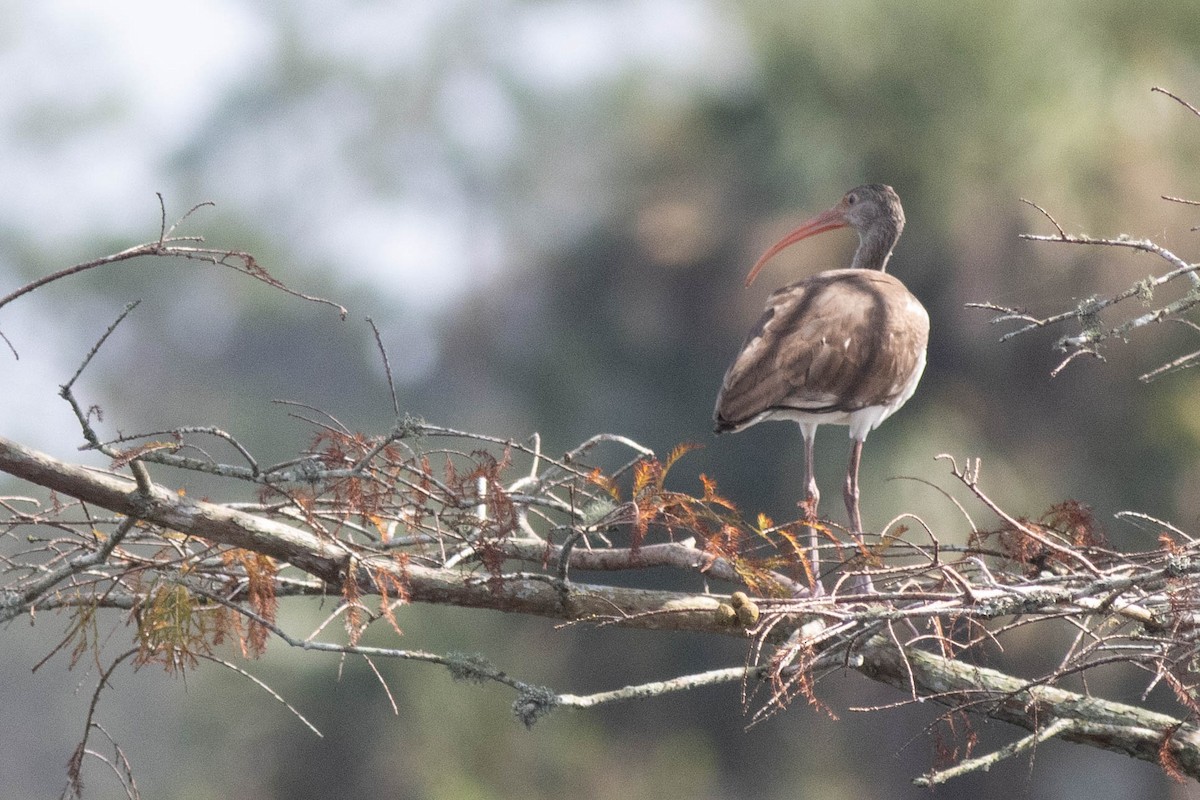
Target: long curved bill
{"type": "Point", "coordinates": [825, 221]}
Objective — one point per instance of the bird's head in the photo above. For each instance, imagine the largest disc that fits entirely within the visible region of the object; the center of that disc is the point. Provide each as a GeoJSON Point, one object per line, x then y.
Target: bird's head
{"type": "Point", "coordinates": [873, 210]}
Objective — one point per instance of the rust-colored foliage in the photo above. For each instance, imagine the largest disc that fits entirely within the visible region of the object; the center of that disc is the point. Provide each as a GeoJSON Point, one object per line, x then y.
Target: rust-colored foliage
{"type": "Point", "coordinates": [356, 622]}
{"type": "Point", "coordinates": [954, 738]}
{"type": "Point", "coordinates": [788, 548]}
{"type": "Point", "coordinates": [492, 556]}
{"type": "Point", "coordinates": [258, 573]}
{"type": "Point", "coordinates": [1076, 523]}
{"type": "Point", "coordinates": [367, 497]}
{"type": "Point", "coordinates": [1166, 755]}
{"type": "Point", "coordinates": [465, 507]}
{"type": "Point", "coordinates": [1069, 522]}
{"type": "Point", "coordinates": [655, 504]}
{"type": "Point", "coordinates": [790, 672]}
{"type": "Point", "coordinates": [713, 520]}
{"type": "Point", "coordinates": [84, 632]}
{"type": "Point", "coordinates": [393, 590]}
{"type": "Point", "coordinates": [597, 478]}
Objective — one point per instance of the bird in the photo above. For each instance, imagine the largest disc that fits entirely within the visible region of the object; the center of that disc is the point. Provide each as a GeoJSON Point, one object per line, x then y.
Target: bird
{"type": "Point", "coordinates": [842, 347]}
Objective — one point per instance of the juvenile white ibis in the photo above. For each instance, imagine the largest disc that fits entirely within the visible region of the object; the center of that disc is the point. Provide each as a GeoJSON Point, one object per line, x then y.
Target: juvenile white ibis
{"type": "Point", "coordinates": [844, 347]}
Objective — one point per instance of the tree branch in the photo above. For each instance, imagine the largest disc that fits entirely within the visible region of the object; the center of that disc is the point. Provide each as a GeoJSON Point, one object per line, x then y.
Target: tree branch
{"type": "Point", "coordinates": [1100, 723]}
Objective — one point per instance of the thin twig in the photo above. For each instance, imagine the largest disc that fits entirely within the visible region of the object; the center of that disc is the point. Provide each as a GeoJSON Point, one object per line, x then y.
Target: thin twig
{"type": "Point", "coordinates": [1061, 233]}
{"type": "Point", "coordinates": [985, 763]}
{"type": "Point", "coordinates": [266, 688]}
{"type": "Point", "coordinates": [387, 366]}
{"type": "Point", "coordinates": [1177, 99]}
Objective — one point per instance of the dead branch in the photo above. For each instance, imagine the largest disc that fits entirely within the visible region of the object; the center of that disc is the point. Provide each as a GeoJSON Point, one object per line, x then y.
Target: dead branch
{"type": "Point", "coordinates": [1129, 605]}
{"type": "Point", "coordinates": [168, 246]}
{"type": "Point", "coordinates": [1037, 707]}
{"type": "Point", "coordinates": [1089, 314]}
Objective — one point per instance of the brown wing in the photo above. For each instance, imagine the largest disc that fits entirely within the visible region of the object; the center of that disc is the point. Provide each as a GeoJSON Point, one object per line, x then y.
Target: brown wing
{"type": "Point", "coordinates": [836, 342]}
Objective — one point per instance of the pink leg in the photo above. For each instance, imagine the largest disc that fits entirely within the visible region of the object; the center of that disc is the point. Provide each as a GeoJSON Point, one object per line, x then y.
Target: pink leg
{"type": "Point", "coordinates": [851, 491]}
{"type": "Point", "coordinates": [850, 494]}
{"type": "Point", "coordinates": [813, 496]}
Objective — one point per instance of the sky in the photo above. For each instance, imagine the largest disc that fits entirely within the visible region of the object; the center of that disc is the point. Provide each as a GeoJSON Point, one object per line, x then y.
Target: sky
{"type": "Point", "coordinates": [106, 92]}
{"type": "Point", "coordinates": [111, 92]}
{"type": "Point", "coordinates": [119, 100]}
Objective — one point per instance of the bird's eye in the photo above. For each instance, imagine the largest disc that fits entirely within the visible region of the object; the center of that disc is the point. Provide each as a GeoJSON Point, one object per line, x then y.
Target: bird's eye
{"type": "Point", "coordinates": [851, 199]}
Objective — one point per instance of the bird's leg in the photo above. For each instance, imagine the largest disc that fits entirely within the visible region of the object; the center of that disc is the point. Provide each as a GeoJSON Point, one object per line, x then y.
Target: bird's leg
{"type": "Point", "coordinates": [850, 494]}
{"type": "Point", "coordinates": [812, 496]}
{"type": "Point", "coordinates": [851, 490]}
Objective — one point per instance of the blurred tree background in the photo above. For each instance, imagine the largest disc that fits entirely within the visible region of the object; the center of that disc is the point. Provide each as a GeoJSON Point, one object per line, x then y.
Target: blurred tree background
{"type": "Point", "coordinates": [548, 208]}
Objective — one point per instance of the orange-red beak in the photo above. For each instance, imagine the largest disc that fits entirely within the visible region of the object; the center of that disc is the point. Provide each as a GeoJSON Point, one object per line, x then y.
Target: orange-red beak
{"type": "Point", "coordinates": [825, 221]}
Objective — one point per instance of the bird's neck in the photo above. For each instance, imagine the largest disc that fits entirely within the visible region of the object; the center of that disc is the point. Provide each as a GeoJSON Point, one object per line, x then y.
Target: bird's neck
{"type": "Point", "coordinates": [875, 247]}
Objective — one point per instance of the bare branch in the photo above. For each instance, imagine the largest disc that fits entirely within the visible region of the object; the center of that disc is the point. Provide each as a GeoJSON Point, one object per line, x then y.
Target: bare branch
{"type": "Point", "coordinates": [1061, 233]}
{"type": "Point", "coordinates": [1177, 99]}
{"type": "Point", "coordinates": [387, 367]}
{"type": "Point", "coordinates": [1088, 313]}
{"type": "Point", "coordinates": [175, 247]}
{"type": "Point", "coordinates": [642, 691]}
{"type": "Point", "coordinates": [1183, 362]}
{"type": "Point", "coordinates": [235, 668]}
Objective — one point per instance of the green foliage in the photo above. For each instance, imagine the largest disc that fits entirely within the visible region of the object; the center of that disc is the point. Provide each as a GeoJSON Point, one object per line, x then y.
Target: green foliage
{"type": "Point", "coordinates": [172, 629]}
